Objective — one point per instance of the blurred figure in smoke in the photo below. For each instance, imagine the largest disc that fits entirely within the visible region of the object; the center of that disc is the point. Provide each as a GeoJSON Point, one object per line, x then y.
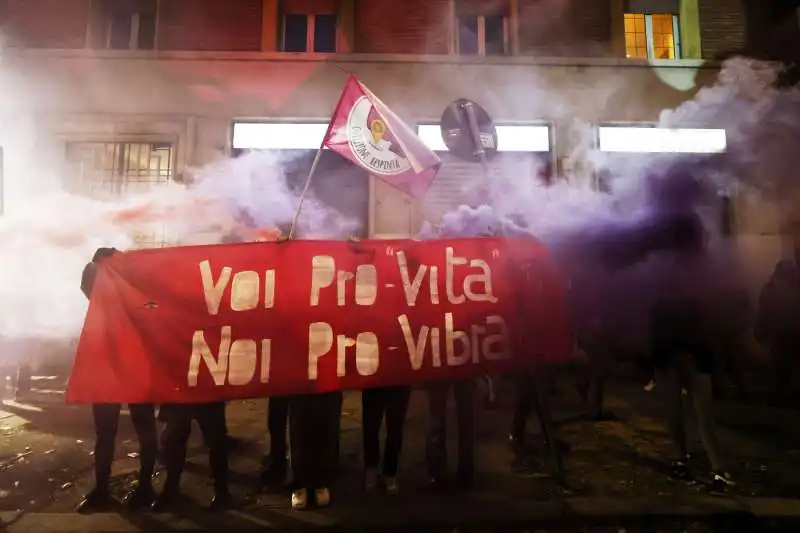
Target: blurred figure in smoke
{"type": "Point", "coordinates": [777, 325]}
{"type": "Point", "coordinates": [106, 422]}
{"type": "Point", "coordinates": [681, 347]}
{"type": "Point", "coordinates": [732, 324]}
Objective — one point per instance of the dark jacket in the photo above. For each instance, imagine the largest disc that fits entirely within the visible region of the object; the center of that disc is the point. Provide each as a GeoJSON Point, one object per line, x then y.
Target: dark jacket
{"type": "Point", "coordinates": [90, 270]}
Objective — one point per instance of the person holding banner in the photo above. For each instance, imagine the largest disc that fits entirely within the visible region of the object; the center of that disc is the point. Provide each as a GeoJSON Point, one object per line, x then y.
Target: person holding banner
{"type": "Point", "coordinates": [106, 422]}
{"type": "Point", "coordinates": [436, 442]}
{"type": "Point", "coordinates": [211, 419]}
{"type": "Point", "coordinates": [391, 404]}
{"type": "Point", "coordinates": [314, 421]}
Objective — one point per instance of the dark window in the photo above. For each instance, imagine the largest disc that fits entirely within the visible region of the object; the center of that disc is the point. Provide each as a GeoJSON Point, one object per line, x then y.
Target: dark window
{"type": "Point", "coordinates": [147, 31]}
{"type": "Point", "coordinates": [295, 32]}
{"type": "Point", "coordinates": [494, 35]}
{"type": "Point", "coordinates": [119, 31]}
{"type": "Point", "coordinates": [325, 33]}
{"type": "Point", "coordinates": [468, 35]}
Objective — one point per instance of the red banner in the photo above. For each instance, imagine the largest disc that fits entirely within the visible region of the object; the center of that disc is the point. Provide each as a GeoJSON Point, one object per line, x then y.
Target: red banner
{"type": "Point", "coordinates": [207, 323]}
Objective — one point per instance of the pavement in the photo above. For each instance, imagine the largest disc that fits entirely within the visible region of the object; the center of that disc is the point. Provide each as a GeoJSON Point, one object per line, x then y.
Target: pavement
{"type": "Point", "coordinates": [615, 475]}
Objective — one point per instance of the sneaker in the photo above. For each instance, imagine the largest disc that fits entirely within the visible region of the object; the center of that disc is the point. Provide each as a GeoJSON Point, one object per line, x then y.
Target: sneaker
{"type": "Point", "coordinates": [392, 487]}
{"type": "Point", "coordinates": [720, 481]}
{"type": "Point", "coordinates": [371, 480]}
{"type": "Point", "coordinates": [650, 386]}
{"type": "Point", "coordinates": [300, 499]}
{"type": "Point", "coordinates": [322, 497]}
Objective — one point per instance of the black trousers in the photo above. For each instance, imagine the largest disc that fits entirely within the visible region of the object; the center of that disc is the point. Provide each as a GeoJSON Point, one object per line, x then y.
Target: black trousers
{"type": "Point", "coordinates": [211, 419]}
{"type": "Point", "coordinates": [390, 403]}
{"type": "Point", "coordinates": [314, 422]}
{"type": "Point", "coordinates": [106, 424]}
{"type": "Point", "coordinates": [436, 445]}
{"type": "Point", "coordinates": [277, 424]}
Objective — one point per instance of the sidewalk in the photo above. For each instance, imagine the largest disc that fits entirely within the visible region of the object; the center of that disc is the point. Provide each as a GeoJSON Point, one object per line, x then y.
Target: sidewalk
{"type": "Point", "coordinates": [614, 475]}
{"type": "Point", "coordinates": [476, 511]}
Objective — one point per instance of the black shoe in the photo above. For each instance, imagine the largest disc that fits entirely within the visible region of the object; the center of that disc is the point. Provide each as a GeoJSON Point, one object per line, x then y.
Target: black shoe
{"type": "Point", "coordinates": [140, 497]}
{"type": "Point", "coordinates": [680, 470]}
{"type": "Point", "coordinates": [721, 482]}
{"type": "Point", "coordinates": [168, 498]}
{"type": "Point", "coordinates": [96, 500]}
{"type": "Point", "coordinates": [221, 501]}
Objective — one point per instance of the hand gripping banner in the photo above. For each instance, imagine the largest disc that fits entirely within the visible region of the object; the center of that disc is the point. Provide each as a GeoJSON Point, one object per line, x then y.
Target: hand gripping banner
{"type": "Point", "coordinates": [223, 322]}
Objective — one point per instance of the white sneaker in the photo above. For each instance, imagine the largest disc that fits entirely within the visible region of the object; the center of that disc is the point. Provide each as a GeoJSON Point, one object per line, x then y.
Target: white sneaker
{"type": "Point", "coordinates": [650, 386]}
{"type": "Point", "coordinates": [300, 499]}
{"type": "Point", "coordinates": [391, 485]}
{"type": "Point", "coordinates": [371, 480]}
{"type": "Point", "coordinates": [322, 497]}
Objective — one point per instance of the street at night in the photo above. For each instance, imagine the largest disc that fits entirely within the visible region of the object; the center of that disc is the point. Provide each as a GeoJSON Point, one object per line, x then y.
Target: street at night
{"type": "Point", "coordinates": [615, 469]}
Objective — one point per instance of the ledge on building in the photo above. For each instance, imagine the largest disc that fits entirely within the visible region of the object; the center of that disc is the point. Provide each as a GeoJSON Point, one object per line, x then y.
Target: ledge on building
{"type": "Point", "coordinates": [363, 58]}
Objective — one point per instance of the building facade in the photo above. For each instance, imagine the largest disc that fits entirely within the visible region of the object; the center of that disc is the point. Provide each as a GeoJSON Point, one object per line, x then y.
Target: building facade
{"type": "Point", "coordinates": [134, 93]}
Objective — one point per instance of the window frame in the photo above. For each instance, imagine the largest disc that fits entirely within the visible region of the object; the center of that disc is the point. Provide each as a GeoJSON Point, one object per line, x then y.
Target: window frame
{"type": "Point", "coordinates": [481, 35]}
{"type": "Point", "coordinates": [106, 24]}
{"type": "Point", "coordinates": [648, 36]}
{"type": "Point", "coordinates": [311, 19]}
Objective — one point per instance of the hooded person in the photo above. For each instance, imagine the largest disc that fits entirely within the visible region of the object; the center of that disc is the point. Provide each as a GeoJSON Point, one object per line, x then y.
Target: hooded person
{"type": "Point", "coordinates": [106, 423]}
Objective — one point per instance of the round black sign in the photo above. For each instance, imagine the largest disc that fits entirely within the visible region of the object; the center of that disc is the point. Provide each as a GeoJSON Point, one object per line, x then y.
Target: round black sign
{"type": "Point", "coordinates": [459, 120]}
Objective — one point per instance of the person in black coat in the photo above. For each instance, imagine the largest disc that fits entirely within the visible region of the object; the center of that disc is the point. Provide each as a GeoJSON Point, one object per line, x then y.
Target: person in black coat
{"type": "Point", "coordinates": [106, 422]}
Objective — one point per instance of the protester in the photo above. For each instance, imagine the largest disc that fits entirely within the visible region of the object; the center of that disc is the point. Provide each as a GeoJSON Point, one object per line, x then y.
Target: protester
{"type": "Point", "coordinates": [275, 464]}
{"type": "Point", "coordinates": [777, 326]}
{"type": "Point", "coordinates": [211, 419]}
{"type": "Point", "coordinates": [391, 404]}
{"type": "Point", "coordinates": [106, 422]}
{"type": "Point", "coordinates": [314, 422]}
{"type": "Point", "coordinates": [683, 355]}
{"type": "Point", "coordinates": [436, 445]}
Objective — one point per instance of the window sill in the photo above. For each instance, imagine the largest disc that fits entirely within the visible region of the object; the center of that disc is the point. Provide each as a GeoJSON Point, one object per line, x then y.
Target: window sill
{"type": "Point", "coordinates": [358, 58]}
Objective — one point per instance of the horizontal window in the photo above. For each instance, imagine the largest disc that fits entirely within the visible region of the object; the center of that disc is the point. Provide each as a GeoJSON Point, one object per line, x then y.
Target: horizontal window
{"type": "Point", "coordinates": [643, 139]}
{"type": "Point", "coordinates": [278, 135]}
{"type": "Point", "coordinates": [509, 138]}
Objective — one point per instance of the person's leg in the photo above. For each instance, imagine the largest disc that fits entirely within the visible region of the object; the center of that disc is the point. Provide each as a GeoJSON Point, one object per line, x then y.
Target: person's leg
{"type": "Point", "coordinates": [436, 439]}
{"type": "Point", "coordinates": [300, 438]}
{"type": "Point", "coordinates": [176, 437]}
{"type": "Point", "coordinates": [668, 380]}
{"type": "Point", "coordinates": [211, 419]}
{"type": "Point", "coordinates": [106, 424]}
{"type": "Point", "coordinates": [326, 445]}
{"type": "Point", "coordinates": [143, 417]}
{"type": "Point", "coordinates": [396, 409]}
{"type": "Point", "coordinates": [24, 378]}
{"type": "Point", "coordinates": [277, 424]}
{"type": "Point", "coordinates": [523, 405]}
{"type": "Point", "coordinates": [373, 405]}
{"type": "Point", "coordinates": [464, 392]}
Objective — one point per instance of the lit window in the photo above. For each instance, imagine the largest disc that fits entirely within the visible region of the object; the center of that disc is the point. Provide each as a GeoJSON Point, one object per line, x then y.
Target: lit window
{"type": "Point", "coordinates": [482, 35]}
{"type": "Point", "coordinates": [654, 36]}
{"type": "Point", "coordinates": [278, 135]}
{"type": "Point", "coordinates": [643, 139]}
{"type": "Point", "coordinates": [309, 33]}
{"type": "Point", "coordinates": [509, 138]}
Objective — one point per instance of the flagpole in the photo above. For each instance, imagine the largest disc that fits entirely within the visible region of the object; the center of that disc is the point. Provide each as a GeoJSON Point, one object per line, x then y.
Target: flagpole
{"type": "Point", "coordinates": [311, 172]}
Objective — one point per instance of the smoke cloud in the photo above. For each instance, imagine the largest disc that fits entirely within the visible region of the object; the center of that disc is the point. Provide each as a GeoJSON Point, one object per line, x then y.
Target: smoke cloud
{"type": "Point", "coordinates": [618, 246]}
